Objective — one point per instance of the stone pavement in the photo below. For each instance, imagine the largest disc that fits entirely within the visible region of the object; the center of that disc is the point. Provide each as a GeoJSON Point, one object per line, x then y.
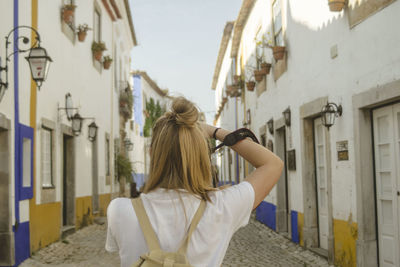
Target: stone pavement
{"type": "Point", "coordinates": [253, 245]}
{"type": "Point", "coordinates": [85, 248]}
{"type": "Point", "coordinates": [257, 245]}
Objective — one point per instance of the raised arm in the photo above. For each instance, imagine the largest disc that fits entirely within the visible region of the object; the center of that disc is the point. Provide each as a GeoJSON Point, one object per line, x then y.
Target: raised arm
{"type": "Point", "coordinates": [268, 166]}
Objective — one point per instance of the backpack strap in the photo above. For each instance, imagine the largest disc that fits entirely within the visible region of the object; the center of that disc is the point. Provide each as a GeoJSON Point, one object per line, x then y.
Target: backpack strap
{"type": "Point", "coordinates": [145, 225]}
{"type": "Point", "coordinates": [195, 221]}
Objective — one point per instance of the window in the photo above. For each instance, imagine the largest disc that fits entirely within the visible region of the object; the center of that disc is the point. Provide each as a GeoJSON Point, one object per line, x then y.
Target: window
{"type": "Point", "coordinates": [97, 26]}
{"type": "Point", "coordinates": [107, 157]}
{"type": "Point", "coordinates": [26, 162]}
{"type": "Point", "coordinates": [47, 155]}
{"type": "Point", "coordinates": [277, 22]}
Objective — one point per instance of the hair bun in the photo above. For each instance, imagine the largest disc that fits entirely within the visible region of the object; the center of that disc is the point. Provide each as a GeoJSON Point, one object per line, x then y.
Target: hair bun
{"type": "Point", "coordinates": [186, 114]}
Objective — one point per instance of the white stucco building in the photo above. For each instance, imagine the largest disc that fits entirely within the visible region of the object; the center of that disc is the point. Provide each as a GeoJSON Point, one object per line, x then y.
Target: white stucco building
{"type": "Point", "coordinates": [339, 193]}
{"type": "Point", "coordinates": [55, 180]}
{"type": "Point", "coordinates": [148, 96]}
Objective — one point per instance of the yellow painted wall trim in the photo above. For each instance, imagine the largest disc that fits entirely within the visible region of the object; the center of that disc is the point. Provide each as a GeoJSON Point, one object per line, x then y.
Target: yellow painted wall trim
{"type": "Point", "coordinates": [83, 211]}
{"type": "Point", "coordinates": [45, 224]}
{"type": "Point", "coordinates": [345, 236]}
{"type": "Point", "coordinates": [104, 201]}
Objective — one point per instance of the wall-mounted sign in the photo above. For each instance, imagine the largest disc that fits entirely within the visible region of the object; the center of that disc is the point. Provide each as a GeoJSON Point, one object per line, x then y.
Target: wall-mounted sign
{"type": "Point", "coordinates": [342, 148]}
{"type": "Point", "coordinates": [291, 160]}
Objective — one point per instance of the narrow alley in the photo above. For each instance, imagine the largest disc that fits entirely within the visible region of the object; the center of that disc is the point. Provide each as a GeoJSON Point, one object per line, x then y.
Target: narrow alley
{"type": "Point", "coordinates": [253, 245]}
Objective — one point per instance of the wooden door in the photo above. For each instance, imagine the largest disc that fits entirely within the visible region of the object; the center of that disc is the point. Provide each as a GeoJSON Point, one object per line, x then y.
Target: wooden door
{"type": "Point", "coordinates": [386, 145]}
{"type": "Point", "coordinates": [321, 183]}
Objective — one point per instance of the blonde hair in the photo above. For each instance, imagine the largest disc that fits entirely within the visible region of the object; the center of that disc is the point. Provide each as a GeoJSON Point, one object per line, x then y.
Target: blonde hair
{"type": "Point", "coordinates": [180, 157]}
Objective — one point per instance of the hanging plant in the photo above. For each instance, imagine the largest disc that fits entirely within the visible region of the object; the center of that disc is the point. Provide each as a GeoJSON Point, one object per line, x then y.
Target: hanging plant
{"type": "Point", "coordinates": [82, 32]}
{"type": "Point", "coordinates": [68, 12]}
{"type": "Point", "coordinates": [265, 67]}
{"type": "Point", "coordinates": [97, 50]}
{"type": "Point", "coordinates": [107, 62]}
{"type": "Point", "coordinates": [336, 5]}
{"type": "Point", "coordinates": [250, 85]}
{"type": "Point", "coordinates": [278, 52]}
{"type": "Point", "coordinates": [258, 75]}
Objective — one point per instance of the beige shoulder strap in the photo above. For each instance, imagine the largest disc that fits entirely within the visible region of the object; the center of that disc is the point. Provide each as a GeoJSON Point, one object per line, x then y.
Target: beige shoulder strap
{"type": "Point", "coordinates": [145, 225]}
{"type": "Point", "coordinates": [195, 221]}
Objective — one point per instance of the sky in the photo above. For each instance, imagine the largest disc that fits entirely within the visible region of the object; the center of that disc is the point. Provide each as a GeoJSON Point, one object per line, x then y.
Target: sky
{"type": "Point", "coordinates": [178, 43]}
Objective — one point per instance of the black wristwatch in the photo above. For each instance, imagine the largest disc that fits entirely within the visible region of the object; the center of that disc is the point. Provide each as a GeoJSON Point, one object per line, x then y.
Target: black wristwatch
{"type": "Point", "coordinates": [235, 137]}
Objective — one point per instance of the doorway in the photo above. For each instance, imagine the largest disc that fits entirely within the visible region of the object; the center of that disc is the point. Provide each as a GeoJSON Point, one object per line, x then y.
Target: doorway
{"type": "Point", "coordinates": [68, 182]}
{"type": "Point", "coordinates": [6, 233]}
{"type": "Point", "coordinates": [321, 183]}
{"type": "Point", "coordinates": [282, 206]}
{"type": "Point", "coordinates": [386, 132]}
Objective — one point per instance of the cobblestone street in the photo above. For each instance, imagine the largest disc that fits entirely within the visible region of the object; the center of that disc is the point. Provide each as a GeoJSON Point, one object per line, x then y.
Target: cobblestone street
{"type": "Point", "coordinates": [254, 245]}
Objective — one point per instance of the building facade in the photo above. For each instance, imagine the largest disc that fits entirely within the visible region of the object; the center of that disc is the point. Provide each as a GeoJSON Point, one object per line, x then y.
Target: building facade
{"type": "Point", "coordinates": [150, 101]}
{"type": "Point", "coordinates": [54, 179]}
{"type": "Point", "coordinates": [339, 193]}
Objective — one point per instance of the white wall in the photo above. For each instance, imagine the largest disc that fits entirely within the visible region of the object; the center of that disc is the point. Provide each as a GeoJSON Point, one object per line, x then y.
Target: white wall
{"type": "Point", "coordinates": [368, 56]}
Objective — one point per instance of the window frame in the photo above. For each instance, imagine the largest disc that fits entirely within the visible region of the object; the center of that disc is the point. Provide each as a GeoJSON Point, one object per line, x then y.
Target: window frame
{"type": "Point", "coordinates": [280, 31]}
{"type": "Point", "coordinates": [51, 131]}
{"type": "Point", "coordinates": [26, 192]}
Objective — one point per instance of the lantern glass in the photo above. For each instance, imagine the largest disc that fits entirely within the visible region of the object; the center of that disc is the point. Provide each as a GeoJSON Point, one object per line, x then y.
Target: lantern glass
{"type": "Point", "coordinates": [92, 131]}
{"type": "Point", "coordinates": [77, 124]}
{"type": "Point", "coordinates": [286, 115]}
{"type": "Point", "coordinates": [69, 106]}
{"type": "Point", "coordinates": [39, 63]}
{"type": "Point", "coordinates": [270, 125]}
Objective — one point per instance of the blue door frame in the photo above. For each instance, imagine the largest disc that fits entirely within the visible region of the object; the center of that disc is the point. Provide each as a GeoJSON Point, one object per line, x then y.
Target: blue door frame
{"type": "Point", "coordinates": [21, 230]}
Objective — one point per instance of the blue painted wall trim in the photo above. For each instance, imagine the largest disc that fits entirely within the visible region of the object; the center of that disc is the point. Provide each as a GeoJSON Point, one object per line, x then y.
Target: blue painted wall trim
{"type": "Point", "coordinates": [21, 230]}
{"type": "Point", "coordinates": [295, 229]}
{"type": "Point", "coordinates": [266, 213]}
{"type": "Point", "coordinates": [139, 179]}
{"type": "Point", "coordinates": [26, 192]}
{"type": "Point", "coordinates": [137, 101]}
{"type": "Point", "coordinates": [22, 251]}
{"type": "Point", "coordinates": [221, 183]}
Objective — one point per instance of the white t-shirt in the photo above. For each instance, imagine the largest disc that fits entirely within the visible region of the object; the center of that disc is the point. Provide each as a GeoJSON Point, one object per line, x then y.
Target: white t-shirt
{"type": "Point", "coordinates": [229, 210]}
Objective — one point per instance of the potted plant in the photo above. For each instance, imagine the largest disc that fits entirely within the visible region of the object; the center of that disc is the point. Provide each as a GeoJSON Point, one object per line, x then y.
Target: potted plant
{"type": "Point", "coordinates": [250, 85]}
{"type": "Point", "coordinates": [236, 78]}
{"type": "Point", "coordinates": [107, 62]}
{"type": "Point", "coordinates": [336, 5]}
{"type": "Point", "coordinates": [82, 32]}
{"type": "Point", "coordinates": [97, 50]}
{"type": "Point", "coordinates": [265, 67]}
{"type": "Point", "coordinates": [68, 13]}
{"type": "Point", "coordinates": [258, 75]}
{"type": "Point", "coordinates": [278, 52]}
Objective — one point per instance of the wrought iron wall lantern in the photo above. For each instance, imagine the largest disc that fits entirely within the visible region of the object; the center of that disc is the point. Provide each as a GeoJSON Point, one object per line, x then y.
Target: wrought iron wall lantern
{"type": "Point", "coordinates": [128, 144]}
{"type": "Point", "coordinates": [270, 125]}
{"type": "Point", "coordinates": [287, 116]}
{"type": "Point", "coordinates": [92, 131]}
{"type": "Point", "coordinates": [69, 107]}
{"type": "Point", "coordinates": [77, 121]}
{"type": "Point", "coordinates": [329, 112]}
{"type": "Point", "coordinates": [38, 59]}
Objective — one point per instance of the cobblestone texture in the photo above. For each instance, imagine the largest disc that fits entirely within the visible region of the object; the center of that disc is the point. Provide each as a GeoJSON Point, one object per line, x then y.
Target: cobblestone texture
{"type": "Point", "coordinates": [253, 245]}
{"type": "Point", "coordinates": [83, 248]}
{"type": "Point", "coordinates": [257, 245]}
